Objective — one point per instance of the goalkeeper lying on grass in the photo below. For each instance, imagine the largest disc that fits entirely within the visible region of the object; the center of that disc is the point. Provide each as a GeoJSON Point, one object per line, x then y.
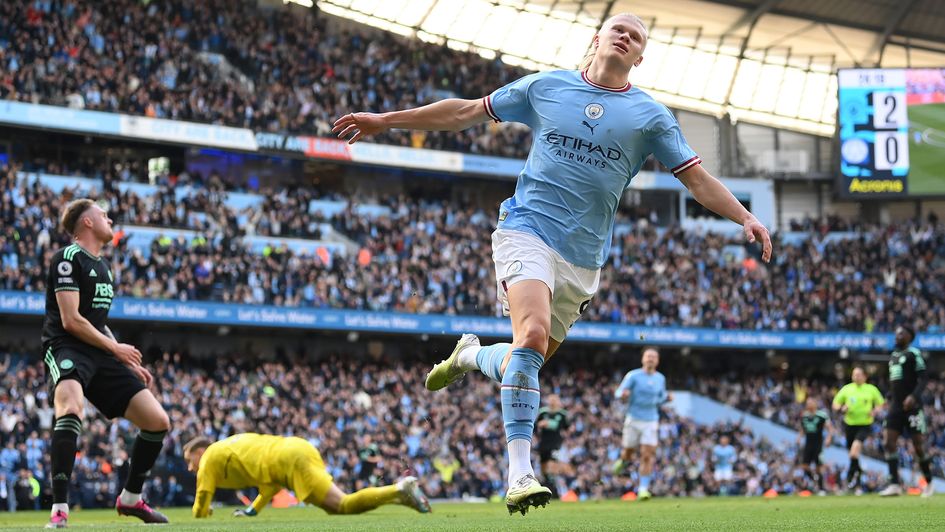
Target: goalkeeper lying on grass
{"type": "Point", "coordinates": [271, 463]}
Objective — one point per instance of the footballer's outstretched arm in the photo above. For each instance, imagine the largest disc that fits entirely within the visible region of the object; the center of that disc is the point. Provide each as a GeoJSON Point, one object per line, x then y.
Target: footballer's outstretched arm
{"type": "Point", "coordinates": [839, 402]}
{"type": "Point", "coordinates": [623, 391]}
{"type": "Point", "coordinates": [712, 194]}
{"type": "Point", "coordinates": [266, 493]}
{"type": "Point", "coordinates": [202, 500]}
{"type": "Point", "coordinates": [451, 114]}
{"type": "Point", "coordinates": [204, 495]}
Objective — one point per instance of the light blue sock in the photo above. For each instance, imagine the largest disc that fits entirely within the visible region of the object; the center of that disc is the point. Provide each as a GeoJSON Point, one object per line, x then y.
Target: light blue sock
{"type": "Point", "coordinates": [520, 393]}
{"type": "Point", "coordinates": [645, 482]}
{"type": "Point", "coordinates": [489, 359]}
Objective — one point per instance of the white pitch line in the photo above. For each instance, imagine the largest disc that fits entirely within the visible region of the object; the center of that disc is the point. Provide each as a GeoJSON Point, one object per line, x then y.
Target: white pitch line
{"type": "Point", "coordinates": [928, 133]}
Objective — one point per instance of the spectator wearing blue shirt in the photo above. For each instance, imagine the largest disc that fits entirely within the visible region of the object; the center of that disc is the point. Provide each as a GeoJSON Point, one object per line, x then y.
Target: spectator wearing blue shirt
{"type": "Point", "coordinates": [9, 460]}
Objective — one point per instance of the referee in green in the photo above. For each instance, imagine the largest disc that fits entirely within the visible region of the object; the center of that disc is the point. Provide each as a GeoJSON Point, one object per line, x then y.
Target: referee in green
{"type": "Point", "coordinates": [859, 401]}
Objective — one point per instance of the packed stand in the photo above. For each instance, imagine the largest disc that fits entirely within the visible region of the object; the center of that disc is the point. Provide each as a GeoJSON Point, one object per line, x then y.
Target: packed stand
{"type": "Point", "coordinates": [435, 257]}
{"type": "Point", "coordinates": [782, 400]}
{"type": "Point", "coordinates": [288, 72]}
{"type": "Point", "coordinates": [434, 262]}
{"type": "Point", "coordinates": [371, 423]}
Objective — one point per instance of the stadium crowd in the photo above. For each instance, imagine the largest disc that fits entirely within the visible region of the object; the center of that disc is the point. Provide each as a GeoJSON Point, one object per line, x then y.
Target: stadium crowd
{"type": "Point", "coordinates": [782, 400]}
{"type": "Point", "coordinates": [434, 257]}
{"type": "Point", "coordinates": [229, 63]}
{"type": "Point", "coordinates": [374, 421]}
{"type": "Point", "coordinates": [233, 63]}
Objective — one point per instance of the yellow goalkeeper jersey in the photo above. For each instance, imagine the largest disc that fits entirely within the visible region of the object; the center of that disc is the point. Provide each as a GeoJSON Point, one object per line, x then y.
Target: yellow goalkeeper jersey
{"type": "Point", "coordinates": [269, 463]}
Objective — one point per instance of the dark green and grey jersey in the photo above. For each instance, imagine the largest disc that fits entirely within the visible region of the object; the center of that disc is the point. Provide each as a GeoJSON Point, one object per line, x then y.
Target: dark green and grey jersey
{"type": "Point", "coordinates": [74, 269]}
{"type": "Point", "coordinates": [907, 376]}
{"type": "Point", "coordinates": [813, 425]}
{"type": "Point", "coordinates": [557, 423]}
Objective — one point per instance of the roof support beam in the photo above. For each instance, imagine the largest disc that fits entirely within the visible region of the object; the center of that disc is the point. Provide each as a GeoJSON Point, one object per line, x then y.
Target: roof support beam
{"type": "Point", "coordinates": [606, 14]}
{"type": "Point", "coordinates": [879, 46]}
{"type": "Point", "coordinates": [423, 20]}
{"type": "Point", "coordinates": [925, 46]}
{"type": "Point", "coordinates": [750, 17]}
{"type": "Point", "coordinates": [752, 21]}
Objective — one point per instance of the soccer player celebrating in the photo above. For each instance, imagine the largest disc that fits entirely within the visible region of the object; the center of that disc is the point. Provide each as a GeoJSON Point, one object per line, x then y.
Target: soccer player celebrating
{"type": "Point", "coordinates": [552, 421]}
{"type": "Point", "coordinates": [592, 132]}
{"type": "Point", "coordinates": [84, 361]}
{"type": "Point", "coordinates": [907, 380]}
{"type": "Point", "coordinates": [859, 401]}
{"type": "Point", "coordinates": [813, 423]}
{"type": "Point", "coordinates": [724, 456]}
{"type": "Point", "coordinates": [646, 389]}
{"type": "Point", "coordinates": [271, 463]}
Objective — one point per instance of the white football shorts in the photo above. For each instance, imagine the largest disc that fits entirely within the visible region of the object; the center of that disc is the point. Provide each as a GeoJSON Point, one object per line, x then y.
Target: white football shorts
{"type": "Point", "coordinates": [723, 474]}
{"type": "Point", "coordinates": [637, 432]}
{"type": "Point", "coordinates": [519, 256]}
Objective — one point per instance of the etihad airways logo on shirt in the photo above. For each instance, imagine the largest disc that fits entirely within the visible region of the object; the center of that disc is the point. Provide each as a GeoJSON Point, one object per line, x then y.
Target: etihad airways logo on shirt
{"type": "Point", "coordinates": [582, 150]}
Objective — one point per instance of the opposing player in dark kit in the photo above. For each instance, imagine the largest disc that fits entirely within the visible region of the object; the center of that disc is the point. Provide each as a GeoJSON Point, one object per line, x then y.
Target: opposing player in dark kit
{"type": "Point", "coordinates": [85, 361]}
{"type": "Point", "coordinates": [813, 423]}
{"type": "Point", "coordinates": [907, 380]}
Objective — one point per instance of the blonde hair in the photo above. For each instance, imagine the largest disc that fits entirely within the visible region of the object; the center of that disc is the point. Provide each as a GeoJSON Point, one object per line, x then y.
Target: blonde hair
{"type": "Point", "coordinates": [589, 56]}
{"type": "Point", "coordinates": [73, 212]}
{"type": "Point", "coordinates": [200, 442]}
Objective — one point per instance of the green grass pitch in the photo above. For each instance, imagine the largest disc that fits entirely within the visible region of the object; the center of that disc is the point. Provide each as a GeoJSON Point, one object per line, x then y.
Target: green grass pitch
{"type": "Point", "coordinates": [927, 158]}
{"type": "Point", "coordinates": [834, 513]}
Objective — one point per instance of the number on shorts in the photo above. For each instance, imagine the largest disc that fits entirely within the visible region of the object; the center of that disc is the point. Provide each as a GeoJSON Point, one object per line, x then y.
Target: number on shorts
{"type": "Point", "coordinates": [583, 307]}
{"type": "Point", "coordinates": [581, 310]}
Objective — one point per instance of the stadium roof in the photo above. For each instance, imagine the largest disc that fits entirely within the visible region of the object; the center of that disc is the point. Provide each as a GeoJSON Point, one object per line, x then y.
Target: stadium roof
{"type": "Point", "coordinates": [772, 62]}
{"type": "Point", "coordinates": [906, 19]}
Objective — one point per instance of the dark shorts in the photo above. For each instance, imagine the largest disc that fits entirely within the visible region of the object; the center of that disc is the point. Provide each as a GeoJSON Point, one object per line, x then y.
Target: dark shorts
{"type": "Point", "coordinates": [105, 381]}
{"type": "Point", "coordinates": [912, 422]}
{"type": "Point", "coordinates": [367, 471]}
{"type": "Point", "coordinates": [546, 455]}
{"type": "Point", "coordinates": [857, 432]}
{"type": "Point", "coordinates": [811, 454]}
{"type": "Point", "coordinates": [547, 448]}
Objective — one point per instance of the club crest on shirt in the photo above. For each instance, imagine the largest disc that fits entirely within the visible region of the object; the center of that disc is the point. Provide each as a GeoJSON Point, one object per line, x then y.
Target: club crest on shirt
{"type": "Point", "coordinates": [594, 111]}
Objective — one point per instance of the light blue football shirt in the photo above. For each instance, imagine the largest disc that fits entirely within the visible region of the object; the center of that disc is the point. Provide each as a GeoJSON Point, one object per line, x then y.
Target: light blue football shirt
{"type": "Point", "coordinates": [724, 456]}
{"type": "Point", "coordinates": [588, 143]}
{"type": "Point", "coordinates": [647, 393]}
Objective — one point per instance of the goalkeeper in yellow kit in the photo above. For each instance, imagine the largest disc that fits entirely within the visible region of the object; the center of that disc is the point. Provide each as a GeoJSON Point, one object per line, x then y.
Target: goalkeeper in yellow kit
{"type": "Point", "coordinates": [271, 463]}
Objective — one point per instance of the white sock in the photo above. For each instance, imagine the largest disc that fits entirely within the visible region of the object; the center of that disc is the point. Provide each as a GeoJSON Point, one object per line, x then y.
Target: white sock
{"type": "Point", "coordinates": [60, 507]}
{"type": "Point", "coordinates": [467, 358]}
{"type": "Point", "coordinates": [520, 459]}
{"type": "Point", "coordinates": [128, 498]}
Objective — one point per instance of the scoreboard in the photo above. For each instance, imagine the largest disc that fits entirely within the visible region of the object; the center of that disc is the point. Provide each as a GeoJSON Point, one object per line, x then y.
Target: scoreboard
{"type": "Point", "coordinates": [889, 122]}
{"type": "Point", "coordinates": [874, 131]}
